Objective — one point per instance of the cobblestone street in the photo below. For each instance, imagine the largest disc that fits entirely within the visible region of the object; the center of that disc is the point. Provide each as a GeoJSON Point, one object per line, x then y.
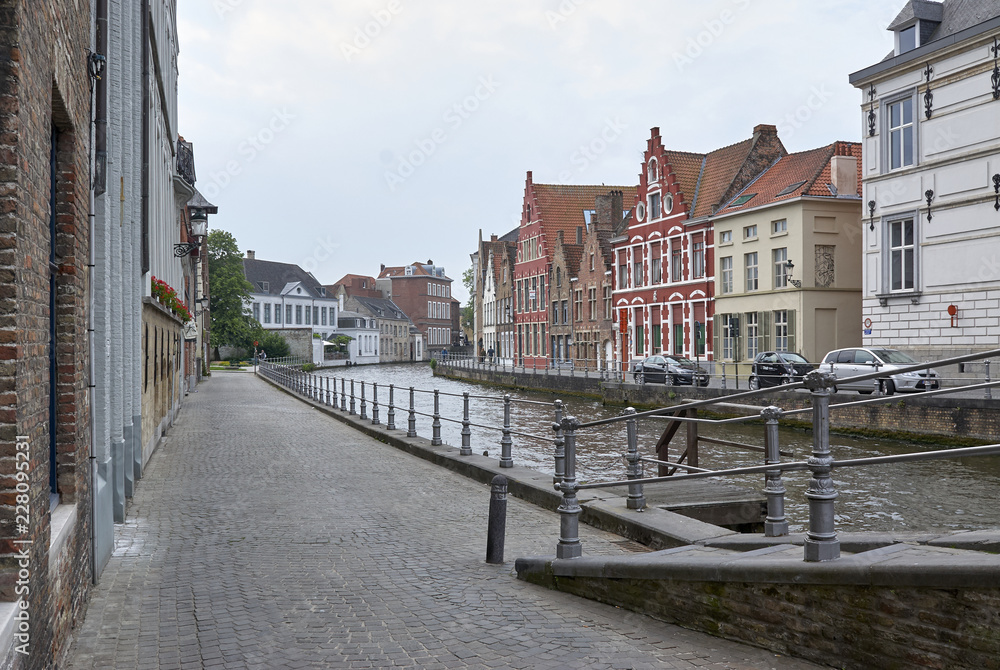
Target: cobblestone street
{"type": "Point", "coordinates": [265, 535]}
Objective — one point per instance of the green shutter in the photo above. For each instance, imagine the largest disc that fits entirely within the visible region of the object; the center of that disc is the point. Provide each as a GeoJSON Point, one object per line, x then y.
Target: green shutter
{"type": "Point", "coordinates": [716, 327]}
{"type": "Point", "coordinates": [791, 331]}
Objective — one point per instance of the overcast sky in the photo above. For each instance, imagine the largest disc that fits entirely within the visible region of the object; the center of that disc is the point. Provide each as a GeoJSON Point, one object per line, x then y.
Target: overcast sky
{"type": "Point", "coordinates": [341, 134]}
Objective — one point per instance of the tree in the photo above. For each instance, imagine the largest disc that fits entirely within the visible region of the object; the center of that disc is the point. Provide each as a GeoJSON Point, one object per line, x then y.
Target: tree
{"type": "Point", "coordinates": [274, 345]}
{"type": "Point", "coordinates": [232, 322]}
{"type": "Point", "coordinates": [469, 310]}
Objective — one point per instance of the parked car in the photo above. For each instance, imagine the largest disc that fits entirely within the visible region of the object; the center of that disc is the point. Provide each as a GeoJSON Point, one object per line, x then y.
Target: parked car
{"type": "Point", "coordinates": [774, 368]}
{"type": "Point", "coordinates": [844, 363]}
{"type": "Point", "coordinates": [670, 370]}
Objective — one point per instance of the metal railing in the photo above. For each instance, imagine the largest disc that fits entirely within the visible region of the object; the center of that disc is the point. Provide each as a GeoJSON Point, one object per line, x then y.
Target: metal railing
{"type": "Point", "coordinates": [355, 396]}
{"type": "Point", "coordinates": [821, 542]}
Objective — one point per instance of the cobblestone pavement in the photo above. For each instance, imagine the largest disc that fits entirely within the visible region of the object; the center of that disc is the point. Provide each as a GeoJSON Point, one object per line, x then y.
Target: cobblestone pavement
{"type": "Point", "coordinates": [266, 535]}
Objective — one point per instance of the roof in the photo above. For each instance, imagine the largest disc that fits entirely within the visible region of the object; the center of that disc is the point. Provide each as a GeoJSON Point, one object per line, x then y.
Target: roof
{"type": "Point", "coordinates": [957, 15]}
{"type": "Point", "coordinates": [198, 200]}
{"type": "Point", "coordinates": [380, 307]}
{"type": "Point", "coordinates": [924, 10]}
{"type": "Point", "coordinates": [795, 175]}
{"type": "Point", "coordinates": [277, 276]}
{"type": "Point", "coordinates": [561, 207]}
{"type": "Point", "coordinates": [418, 270]}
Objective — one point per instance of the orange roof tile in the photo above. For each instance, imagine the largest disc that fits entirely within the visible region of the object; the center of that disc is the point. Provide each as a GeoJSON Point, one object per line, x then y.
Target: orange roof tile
{"type": "Point", "coordinates": [561, 207]}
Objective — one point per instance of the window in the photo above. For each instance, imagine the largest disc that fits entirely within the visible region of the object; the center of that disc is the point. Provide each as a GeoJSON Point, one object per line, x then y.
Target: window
{"type": "Point", "coordinates": [578, 305]}
{"type": "Point", "coordinates": [267, 312]}
{"type": "Point", "coordinates": [640, 340]}
{"type": "Point", "coordinates": [655, 271]}
{"type": "Point", "coordinates": [743, 199]}
{"type": "Point", "coordinates": [558, 276]}
{"type": "Point", "coordinates": [607, 303]}
{"type": "Point", "coordinates": [698, 259]}
{"type": "Point", "coordinates": [753, 335]}
{"type": "Point", "coordinates": [675, 262]}
{"type": "Point", "coordinates": [907, 39]}
{"type": "Point", "coordinates": [298, 315]}
{"type": "Point", "coordinates": [637, 273]}
{"type": "Point", "coordinates": [622, 276]}
{"type": "Point", "coordinates": [901, 259]}
{"type": "Point", "coordinates": [308, 315]}
{"type": "Point", "coordinates": [322, 313]}
{"type": "Point", "coordinates": [779, 257]}
{"type": "Point", "coordinates": [726, 237]}
{"type": "Point", "coordinates": [565, 311]}
{"type": "Point", "coordinates": [256, 311]}
{"type": "Point", "coordinates": [900, 134]}
{"type": "Point", "coordinates": [778, 227]}
{"type": "Point", "coordinates": [730, 329]}
{"type": "Point", "coordinates": [555, 312]}
{"type": "Point", "coordinates": [277, 313]}
{"type": "Point", "coordinates": [288, 314]}
{"type": "Point", "coordinates": [541, 296]}
{"type": "Point", "coordinates": [781, 330]}
{"type": "Point", "coordinates": [591, 261]}
{"type": "Point", "coordinates": [654, 206]}
{"type": "Point", "coordinates": [678, 339]}
{"type": "Point", "coordinates": [316, 315]}
{"type": "Point", "coordinates": [727, 274]}
{"type": "Point", "coordinates": [657, 339]}
{"type": "Point", "coordinates": [592, 303]}
{"type": "Point", "coordinates": [520, 298]}
{"type": "Point", "coordinates": [749, 232]}
{"type": "Point", "coordinates": [750, 260]}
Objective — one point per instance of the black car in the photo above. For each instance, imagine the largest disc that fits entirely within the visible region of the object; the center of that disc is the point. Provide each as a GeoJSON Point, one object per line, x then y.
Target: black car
{"type": "Point", "coordinates": [774, 368]}
{"type": "Point", "coordinates": [670, 370]}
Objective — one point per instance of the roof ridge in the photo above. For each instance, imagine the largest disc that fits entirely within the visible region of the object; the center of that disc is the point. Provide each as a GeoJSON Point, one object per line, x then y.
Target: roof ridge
{"type": "Point", "coordinates": [697, 186]}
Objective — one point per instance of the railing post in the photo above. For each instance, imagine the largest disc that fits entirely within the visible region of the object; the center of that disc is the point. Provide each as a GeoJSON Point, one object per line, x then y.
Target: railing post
{"type": "Point", "coordinates": [353, 412]}
{"type": "Point", "coordinates": [375, 420]}
{"type": "Point", "coordinates": [569, 511]}
{"type": "Point", "coordinates": [821, 542]}
{"type": "Point", "coordinates": [364, 403]}
{"type": "Point", "coordinates": [391, 417]}
{"type": "Point", "coordinates": [723, 375]}
{"type": "Point", "coordinates": [636, 499]}
{"type": "Point", "coordinates": [774, 488]}
{"type": "Point", "coordinates": [988, 390]}
{"type": "Point", "coordinates": [411, 427]}
{"type": "Point", "coordinates": [327, 394]}
{"type": "Point", "coordinates": [466, 430]}
{"type": "Point", "coordinates": [560, 443]}
{"type": "Point", "coordinates": [343, 395]}
{"type": "Point", "coordinates": [505, 442]}
{"type": "Point", "coordinates": [436, 423]}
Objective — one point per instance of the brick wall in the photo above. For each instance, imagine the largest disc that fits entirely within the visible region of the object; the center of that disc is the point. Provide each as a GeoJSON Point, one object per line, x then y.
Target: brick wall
{"type": "Point", "coordinates": [43, 71]}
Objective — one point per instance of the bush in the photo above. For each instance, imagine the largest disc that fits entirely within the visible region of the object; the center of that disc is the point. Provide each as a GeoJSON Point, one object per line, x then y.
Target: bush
{"type": "Point", "coordinates": [433, 364]}
{"type": "Point", "coordinates": [308, 367]}
{"type": "Point", "coordinates": [274, 345]}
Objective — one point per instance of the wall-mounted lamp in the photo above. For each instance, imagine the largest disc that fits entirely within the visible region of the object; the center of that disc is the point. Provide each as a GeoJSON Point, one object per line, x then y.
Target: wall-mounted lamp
{"type": "Point", "coordinates": [930, 196]}
{"type": "Point", "coordinates": [871, 215]}
{"type": "Point", "coordinates": [789, 266]}
{"type": "Point", "coordinates": [199, 229]}
{"type": "Point", "coordinates": [928, 96]}
{"type": "Point", "coordinates": [996, 68]}
{"type": "Point", "coordinates": [996, 187]}
{"type": "Point", "coordinates": [871, 112]}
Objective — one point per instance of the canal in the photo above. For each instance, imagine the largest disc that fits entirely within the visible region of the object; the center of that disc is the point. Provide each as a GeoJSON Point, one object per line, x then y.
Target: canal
{"type": "Point", "coordinates": [933, 496]}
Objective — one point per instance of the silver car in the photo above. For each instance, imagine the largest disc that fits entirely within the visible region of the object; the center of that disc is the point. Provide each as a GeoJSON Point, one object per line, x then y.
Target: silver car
{"type": "Point", "coordinates": [844, 363]}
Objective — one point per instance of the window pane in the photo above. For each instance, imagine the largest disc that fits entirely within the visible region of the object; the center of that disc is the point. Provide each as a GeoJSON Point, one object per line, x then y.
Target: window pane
{"type": "Point", "coordinates": [896, 230]}
{"type": "Point", "coordinates": [895, 149]}
{"type": "Point", "coordinates": [908, 233]}
{"type": "Point", "coordinates": [908, 268]}
{"type": "Point", "coordinates": [897, 261]}
{"type": "Point", "coordinates": [908, 146]}
{"type": "Point", "coordinates": [894, 115]}
{"type": "Point", "coordinates": [907, 112]}
{"type": "Point", "coordinates": [907, 39]}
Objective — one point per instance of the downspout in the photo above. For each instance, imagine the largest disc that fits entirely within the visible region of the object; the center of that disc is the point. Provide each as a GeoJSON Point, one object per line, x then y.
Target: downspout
{"type": "Point", "coordinates": [145, 137]}
{"type": "Point", "coordinates": [98, 186]}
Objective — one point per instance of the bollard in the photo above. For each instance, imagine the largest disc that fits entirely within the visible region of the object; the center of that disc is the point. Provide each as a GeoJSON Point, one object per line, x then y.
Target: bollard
{"type": "Point", "coordinates": [467, 434]}
{"type": "Point", "coordinates": [505, 442]}
{"type": "Point", "coordinates": [343, 395]}
{"type": "Point", "coordinates": [569, 511]}
{"type": "Point", "coordinates": [436, 423]}
{"type": "Point", "coordinates": [723, 374]}
{"type": "Point", "coordinates": [353, 412]}
{"type": "Point", "coordinates": [375, 420]}
{"type": "Point", "coordinates": [391, 417]}
{"type": "Point", "coordinates": [411, 428]}
{"type": "Point", "coordinates": [364, 404]}
{"type": "Point", "coordinates": [560, 452]}
{"type": "Point", "coordinates": [988, 391]}
{"type": "Point", "coordinates": [636, 499]}
{"type": "Point", "coordinates": [774, 488]}
{"type": "Point", "coordinates": [498, 520]}
{"type": "Point", "coordinates": [821, 542]}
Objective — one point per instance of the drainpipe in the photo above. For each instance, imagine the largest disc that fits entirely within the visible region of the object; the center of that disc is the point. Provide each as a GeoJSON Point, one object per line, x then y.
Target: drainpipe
{"type": "Point", "coordinates": [145, 137]}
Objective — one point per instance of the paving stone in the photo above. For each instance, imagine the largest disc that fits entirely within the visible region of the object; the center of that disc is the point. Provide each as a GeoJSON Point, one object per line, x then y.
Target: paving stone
{"type": "Point", "coordinates": [263, 534]}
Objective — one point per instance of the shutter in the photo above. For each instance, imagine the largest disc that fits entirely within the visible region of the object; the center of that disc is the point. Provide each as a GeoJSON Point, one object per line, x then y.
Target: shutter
{"type": "Point", "coordinates": [716, 329]}
{"type": "Point", "coordinates": [791, 331]}
{"type": "Point", "coordinates": [764, 319]}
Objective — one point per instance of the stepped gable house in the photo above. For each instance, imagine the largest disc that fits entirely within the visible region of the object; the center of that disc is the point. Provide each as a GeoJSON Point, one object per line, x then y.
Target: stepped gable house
{"type": "Point", "coordinates": [547, 209]}
{"type": "Point", "coordinates": [492, 315]}
{"type": "Point", "coordinates": [665, 258]}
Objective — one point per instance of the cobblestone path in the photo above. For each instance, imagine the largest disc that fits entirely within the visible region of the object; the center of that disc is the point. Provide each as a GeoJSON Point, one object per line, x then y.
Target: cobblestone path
{"type": "Point", "coordinates": [266, 535]}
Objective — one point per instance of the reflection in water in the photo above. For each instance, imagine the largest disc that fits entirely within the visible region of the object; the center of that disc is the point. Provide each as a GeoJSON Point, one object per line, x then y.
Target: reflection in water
{"type": "Point", "coordinates": [925, 496]}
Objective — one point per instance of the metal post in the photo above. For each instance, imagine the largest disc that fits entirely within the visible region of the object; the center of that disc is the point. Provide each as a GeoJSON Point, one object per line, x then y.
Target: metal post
{"type": "Point", "coordinates": [505, 442]}
{"type": "Point", "coordinates": [988, 391]}
{"type": "Point", "coordinates": [343, 395]}
{"type": "Point", "coordinates": [466, 431]}
{"type": "Point", "coordinates": [436, 423]}
{"type": "Point", "coordinates": [723, 374]}
{"type": "Point", "coordinates": [560, 453]}
{"type": "Point", "coordinates": [411, 428]}
{"type": "Point", "coordinates": [636, 499]}
{"type": "Point", "coordinates": [497, 527]}
{"type": "Point", "coordinates": [391, 423]}
{"type": "Point", "coordinates": [569, 511]}
{"type": "Point", "coordinates": [375, 420]}
{"type": "Point", "coordinates": [821, 543]}
{"type": "Point", "coordinates": [774, 488]}
{"type": "Point", "coordinates": [364, 403]}
{"type": "Point", "coordinates": [353, 412]}
{"type": "Point", "coordinates": [327, 397]}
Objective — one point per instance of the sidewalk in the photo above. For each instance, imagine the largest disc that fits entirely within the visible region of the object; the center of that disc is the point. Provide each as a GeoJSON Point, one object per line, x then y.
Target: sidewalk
{"type": "Point", "coordinates": [266, 535]}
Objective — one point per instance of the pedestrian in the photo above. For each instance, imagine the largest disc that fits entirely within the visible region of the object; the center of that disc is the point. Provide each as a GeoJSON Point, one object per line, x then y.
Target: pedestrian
{"type": "Point", "coordinates": [489, 353]}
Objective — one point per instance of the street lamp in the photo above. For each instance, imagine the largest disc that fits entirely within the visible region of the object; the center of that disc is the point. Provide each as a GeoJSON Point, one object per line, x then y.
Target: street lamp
{"type": "Point", "coordinates": [791, 266]}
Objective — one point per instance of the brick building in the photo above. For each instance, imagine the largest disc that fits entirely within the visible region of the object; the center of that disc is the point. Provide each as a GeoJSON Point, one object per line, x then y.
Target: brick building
{"type": "Point", "coordinates": [489, 314]}
{"type": "Point", "coordinates": [45, 422]}
{"type": "Point", "coordinates": [564, 296]}
{"type": "Point", "coordinates": [546, 210]}
{"type": "Point", "coordinates": [665, 259]}
{"type": "Point", "coordinates": [423, 292]}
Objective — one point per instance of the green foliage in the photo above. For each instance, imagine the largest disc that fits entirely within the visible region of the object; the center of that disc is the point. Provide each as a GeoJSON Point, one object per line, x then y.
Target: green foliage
{"type": "Point", "coordinates": [308, 367]}
{"type": "Point", "coordinates": [342, 341]}
{"type": "Point", "coordinates": [433, 364]}
{"type": "Point", "coordinates": [274, 345]}
{"type": "Point", "coordinates": [468, 317]}
{"type": "Point", "coordinates": [232, 321]}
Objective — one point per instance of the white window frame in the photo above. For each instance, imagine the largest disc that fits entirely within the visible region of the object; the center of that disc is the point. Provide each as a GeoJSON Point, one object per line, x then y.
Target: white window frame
{"type": "Point", "coordinates": [752, 272]}
{"type": "Point", "coordinates": [726, 274]}
{"type": "Point", "coordinates": [781, 330]}
{"type": "Point", "coordinates": [887, 130]}
{"type": "Point", "coordinates": [778, 258]}
{"type": "Point", "coordinates": [912, 219]}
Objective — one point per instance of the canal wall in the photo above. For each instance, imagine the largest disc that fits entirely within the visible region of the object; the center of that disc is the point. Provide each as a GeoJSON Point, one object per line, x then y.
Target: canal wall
{"type": "Point", "coordinates": [911, 417]}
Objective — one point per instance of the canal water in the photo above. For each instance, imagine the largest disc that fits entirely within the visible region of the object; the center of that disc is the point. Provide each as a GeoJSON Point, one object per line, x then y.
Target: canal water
{"type": "Point", "coordinates": [941, 495]}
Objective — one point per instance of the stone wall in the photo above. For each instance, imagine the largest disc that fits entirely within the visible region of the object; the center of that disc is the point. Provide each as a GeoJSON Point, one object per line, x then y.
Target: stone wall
{"type": "Point", "coordinates": [162, 387]}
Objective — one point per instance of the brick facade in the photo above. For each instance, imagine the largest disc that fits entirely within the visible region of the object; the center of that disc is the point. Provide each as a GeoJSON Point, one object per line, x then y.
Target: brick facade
{"type": "Point", "coordinates": [423, 292]}
{"type": "Point", "coordinates": [595, 333]}
{"type": "Point", "coordinates": [44, 101]}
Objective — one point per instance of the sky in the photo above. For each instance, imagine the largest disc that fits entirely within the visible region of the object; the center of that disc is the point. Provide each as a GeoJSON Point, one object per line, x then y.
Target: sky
{"type": "Point", "coordinates": [345, 134]}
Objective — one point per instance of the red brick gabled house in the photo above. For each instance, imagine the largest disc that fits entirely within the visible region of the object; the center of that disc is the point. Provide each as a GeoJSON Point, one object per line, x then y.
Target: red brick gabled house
{"type": "Point", "coordinates": [547, 209]}
{"type": "Point", "coordinates": [423, 292]}
{"type": "Point", "coordinates": [664, 261]}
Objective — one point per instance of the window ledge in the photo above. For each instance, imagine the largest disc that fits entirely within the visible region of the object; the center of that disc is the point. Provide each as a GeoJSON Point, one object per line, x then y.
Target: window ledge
{"type": "Point", "coordinates": [783, 233]}
{"type": "Point", "coordinates": [884, 298]}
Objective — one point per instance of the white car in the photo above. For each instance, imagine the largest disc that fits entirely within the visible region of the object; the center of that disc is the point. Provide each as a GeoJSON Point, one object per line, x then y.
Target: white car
{"type": "Point", "coordinates": [853, 362]}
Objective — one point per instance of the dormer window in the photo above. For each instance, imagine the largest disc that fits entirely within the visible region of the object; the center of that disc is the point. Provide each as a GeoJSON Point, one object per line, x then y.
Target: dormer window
{"type": "Point", "coordinates": [907, 39]}
{"type": "Point", "coordinates": [265, 286]}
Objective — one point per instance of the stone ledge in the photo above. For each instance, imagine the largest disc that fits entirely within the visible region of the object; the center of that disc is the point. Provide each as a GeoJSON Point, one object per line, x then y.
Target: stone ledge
{"type": "Point", "coordinates": [63, 521]}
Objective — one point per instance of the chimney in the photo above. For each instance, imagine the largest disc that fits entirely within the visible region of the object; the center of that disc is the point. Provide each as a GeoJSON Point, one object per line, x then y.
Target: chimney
{"type": "Point", "coordinates": [764, 129]}
{"type": "Point", "coordinates": [493, 238]}
{"type": "Point", "coordinates": [559, 234]}
{"type": "Point", "coordinates": [250, 255]}
{"type": "Point", "coordinates": [603, 219]}
{"type": "Point", "coordinates": [617, 208]}
{"type": "Point", "coordinates": [844, 174]}
{"type": "Point", "coordinates": [383, 268]}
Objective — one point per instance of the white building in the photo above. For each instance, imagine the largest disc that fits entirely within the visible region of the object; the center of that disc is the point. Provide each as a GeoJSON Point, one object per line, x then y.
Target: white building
{"type": "Point", "coordinates": [931, 126]}
{"type": "Point", "coordinates": [364, 333]}
{"type": "Point", "coordinates": [286, 297]}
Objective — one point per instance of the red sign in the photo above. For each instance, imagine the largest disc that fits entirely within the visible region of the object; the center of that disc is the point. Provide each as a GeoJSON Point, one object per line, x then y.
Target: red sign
{"type": "Point", "coordinates": [623, 321]}
{"type": "Point", "coordinates": [255, 343]}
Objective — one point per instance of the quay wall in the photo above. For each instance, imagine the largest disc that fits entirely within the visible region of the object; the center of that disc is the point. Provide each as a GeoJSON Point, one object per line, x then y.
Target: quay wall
{"type": "Point", "coordinates": [906, 416]}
